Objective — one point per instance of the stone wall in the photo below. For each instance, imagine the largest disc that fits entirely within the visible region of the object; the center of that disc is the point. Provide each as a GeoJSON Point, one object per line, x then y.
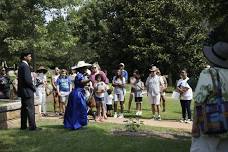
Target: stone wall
{"type": "Point", "coordinates": [10, 113]}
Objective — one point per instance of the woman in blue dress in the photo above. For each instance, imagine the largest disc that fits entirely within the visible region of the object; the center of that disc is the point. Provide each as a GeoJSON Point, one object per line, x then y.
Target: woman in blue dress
{"type": "Point", "coordinates": [76, 111]}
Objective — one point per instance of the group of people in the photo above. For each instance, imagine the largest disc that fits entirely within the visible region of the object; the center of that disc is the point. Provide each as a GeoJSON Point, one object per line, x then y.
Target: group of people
{"type": "Point", "coordinates": [88, 87]}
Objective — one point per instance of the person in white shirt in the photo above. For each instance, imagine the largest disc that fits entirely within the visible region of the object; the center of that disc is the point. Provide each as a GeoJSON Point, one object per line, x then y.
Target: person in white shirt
{"type": "Point", "coordinates": [99, 89]}
{"type": "Point", "coordinates": [138, 88]}
{"type": "Point", "coordinates": [153, 85]}
{"type": "Point", "coordinates": [186, 96]}
{"type": "Point", "coordinates": [109, 100]}
{"type": "Point", "coordinates": [41, 84]}
{"type": "Point", "coordinates": [118, 83]}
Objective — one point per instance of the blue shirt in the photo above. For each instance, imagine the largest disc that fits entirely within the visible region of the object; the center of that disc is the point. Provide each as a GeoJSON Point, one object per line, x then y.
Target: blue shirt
{"type": "Point", "coordinates": [125, 75]}
{"type": "Point", "coordinates": [64, 83]}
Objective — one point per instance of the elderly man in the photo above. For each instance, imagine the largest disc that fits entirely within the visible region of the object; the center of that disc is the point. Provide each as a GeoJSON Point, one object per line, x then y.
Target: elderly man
{"type": "Point", "coordinates": [153, 85]}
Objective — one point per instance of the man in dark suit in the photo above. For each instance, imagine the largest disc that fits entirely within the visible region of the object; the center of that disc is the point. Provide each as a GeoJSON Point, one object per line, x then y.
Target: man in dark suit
{"type": "Point", "coordinates": [26, 91]}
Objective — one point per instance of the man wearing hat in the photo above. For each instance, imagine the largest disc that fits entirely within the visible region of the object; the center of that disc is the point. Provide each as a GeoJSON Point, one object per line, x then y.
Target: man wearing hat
{"type": "Point", "coordinates": [26, 91]}
{"type": "Point", "coordinates": [217, 56]}
{"type": "Point", "coordinates": [124, 72]}
{"type": "Point", "coordinates": [153, 85]}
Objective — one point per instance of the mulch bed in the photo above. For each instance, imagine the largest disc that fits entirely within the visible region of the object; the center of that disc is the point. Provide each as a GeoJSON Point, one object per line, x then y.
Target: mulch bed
{"type": "Point", "coordinates": [166, 135]}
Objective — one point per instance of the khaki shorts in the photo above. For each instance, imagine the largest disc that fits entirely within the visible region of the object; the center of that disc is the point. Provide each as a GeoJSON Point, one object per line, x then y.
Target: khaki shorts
{"type": "Point", "coordinates": [64, 96]}
{"type": "Point", "coordinates": [154, 99]}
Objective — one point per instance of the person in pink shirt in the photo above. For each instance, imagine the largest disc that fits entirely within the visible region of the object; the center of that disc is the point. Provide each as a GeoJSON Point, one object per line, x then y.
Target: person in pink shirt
{"type": "Point", "coordinates": [96, 70]}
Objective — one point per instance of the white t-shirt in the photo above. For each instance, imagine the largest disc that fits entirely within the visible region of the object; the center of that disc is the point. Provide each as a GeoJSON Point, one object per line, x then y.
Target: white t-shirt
{"type": "Point", "coordinates": [109, 99]}
{"type": "Point", "coordinates": [41, 80]}
{"type": "Point", "coordinates": [100, 89]}
{"type": "Point", "coordinates": [188, 95]}
{"type": "Point", "coordinates": [119, 90]}
{"type": "Point", "coordinates": [153, 85]}
{"type": "Point", "coordinates": [139, 86]}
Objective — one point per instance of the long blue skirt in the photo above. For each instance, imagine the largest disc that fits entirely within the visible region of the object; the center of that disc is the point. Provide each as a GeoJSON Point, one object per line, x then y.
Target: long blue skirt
{"type": "Point", "coordinates": [76, 111]}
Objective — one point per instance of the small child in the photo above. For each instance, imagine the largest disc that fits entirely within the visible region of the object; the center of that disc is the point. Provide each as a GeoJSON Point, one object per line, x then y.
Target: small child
{"type": "Point", "coordinates": [109, 99]}
{"type": "Point", "coordinates": [138, 88]}
{"type": "Point", "coordinates": [100, 88]}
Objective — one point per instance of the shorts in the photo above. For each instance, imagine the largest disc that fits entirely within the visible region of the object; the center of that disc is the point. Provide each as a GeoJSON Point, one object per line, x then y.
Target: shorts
{"type": "Point", "coordinates": [64, 96]}
{"type": "Point", "coordinates": [162, 93]}
{"type": "Point", "coordinates": [118, 97]}
{"type": "Point", "coordinates": [138, 99]}
{"type": "Point", "coordinates": [109, 107]}
{"type": "Point", "coordinates": [99, 99]}
{"type": "Point", "coordinates": [154, 99]}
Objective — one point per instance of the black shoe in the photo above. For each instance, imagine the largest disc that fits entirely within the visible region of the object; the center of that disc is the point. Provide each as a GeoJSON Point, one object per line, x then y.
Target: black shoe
{"type": "Point", "coordinates": [23, 128]}
{"type": "Point", "coordinates": [35, 129]}
{"type": "Point", "coordinates": [94, 115]}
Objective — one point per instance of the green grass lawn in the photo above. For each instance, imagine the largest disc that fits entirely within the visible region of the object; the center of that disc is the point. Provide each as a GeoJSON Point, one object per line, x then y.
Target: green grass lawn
{"type": "Point", "coordinates": [96, 137]}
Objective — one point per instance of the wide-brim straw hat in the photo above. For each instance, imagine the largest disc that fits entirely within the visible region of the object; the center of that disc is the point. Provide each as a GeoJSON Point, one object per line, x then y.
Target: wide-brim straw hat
{"type": "Point", "coordinates": [42, 69]}
{"type": "Point", "coordinates": [81, 64]}
{"type": "Point", "coordinates": [153, 68]}
{"type": "Point", "coordinates": [217, 54]}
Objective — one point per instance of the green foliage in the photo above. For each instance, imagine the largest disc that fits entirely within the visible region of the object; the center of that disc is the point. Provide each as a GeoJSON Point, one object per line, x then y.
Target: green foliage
{"type": "Point", "coordinates": [166, 33]}
{"type": "Point", "coordinates": [133, 124]}
{"type": "Point", "coordinates": [216, 17]}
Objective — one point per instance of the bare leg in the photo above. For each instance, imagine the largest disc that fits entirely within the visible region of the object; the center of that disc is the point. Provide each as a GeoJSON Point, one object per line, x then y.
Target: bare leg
{"type": "Point", "coordinates": [121, 106]}
{"type": "Point", "coordinates": [163, 102]}
{"type": "Point", "coordinates": [153, 108]}
{"type": "Point", "coordinates": [130, 101]}
{"type": "Point", "coordinates": [115, 106]}
{"type": "Point", "coordinates": [158, 109]}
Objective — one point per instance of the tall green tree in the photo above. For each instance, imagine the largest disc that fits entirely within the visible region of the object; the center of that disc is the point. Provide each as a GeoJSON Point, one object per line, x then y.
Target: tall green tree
{"type": "Point", "coordinates": [167, 33]}
{"type": "Point", "coordinates": [23, 26]}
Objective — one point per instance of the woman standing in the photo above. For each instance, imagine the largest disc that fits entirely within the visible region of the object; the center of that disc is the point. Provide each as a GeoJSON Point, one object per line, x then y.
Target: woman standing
{"type": "Point", "coordinates": [185, 96]}
{"type": "Point", "coordinates": [76, 111]}
{"type": "Point", "coordinates": [118, 83]}
{"type": "Point", "coordinates": [41, 84]}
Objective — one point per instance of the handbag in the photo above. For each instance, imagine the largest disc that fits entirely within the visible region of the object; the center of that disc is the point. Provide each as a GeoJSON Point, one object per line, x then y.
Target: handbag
{"type": "Point", "coordinates": [213, 117]}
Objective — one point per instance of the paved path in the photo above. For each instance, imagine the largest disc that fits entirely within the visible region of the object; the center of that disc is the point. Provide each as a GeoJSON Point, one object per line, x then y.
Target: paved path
{"type": "Point", "coordinates": [148, 122]}
{"type": "Point", "coordinates": [155, 123]}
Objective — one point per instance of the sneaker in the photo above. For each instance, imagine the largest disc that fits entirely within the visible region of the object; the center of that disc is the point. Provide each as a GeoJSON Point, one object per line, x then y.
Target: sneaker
{"type": "Point", "coordinates": [159, 118]}
{"type": "Point", "coordinates": [140, 113]}
{"type": "Point", "coordinates": [182, 120]}
{"type": "Point", "coordinates": [137, 113]}
{"type": "Point", "coordinates": [115, 115]}
{"type": "Point", "coordinates": [189, 121]}
{"type": "Point", "coordinates": [121, 116]}
{"type": "Point", "coordinates": [153, 117]}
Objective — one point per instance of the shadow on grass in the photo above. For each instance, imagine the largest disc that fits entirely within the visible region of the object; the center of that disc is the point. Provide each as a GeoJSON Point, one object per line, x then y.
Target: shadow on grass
{"type": "Point", "coordinates": [95, 137]}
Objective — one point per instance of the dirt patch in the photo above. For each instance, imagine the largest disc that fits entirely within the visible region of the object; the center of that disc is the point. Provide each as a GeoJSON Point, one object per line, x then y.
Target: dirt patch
{"type": "Point", "coordinates": [157, 134]}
